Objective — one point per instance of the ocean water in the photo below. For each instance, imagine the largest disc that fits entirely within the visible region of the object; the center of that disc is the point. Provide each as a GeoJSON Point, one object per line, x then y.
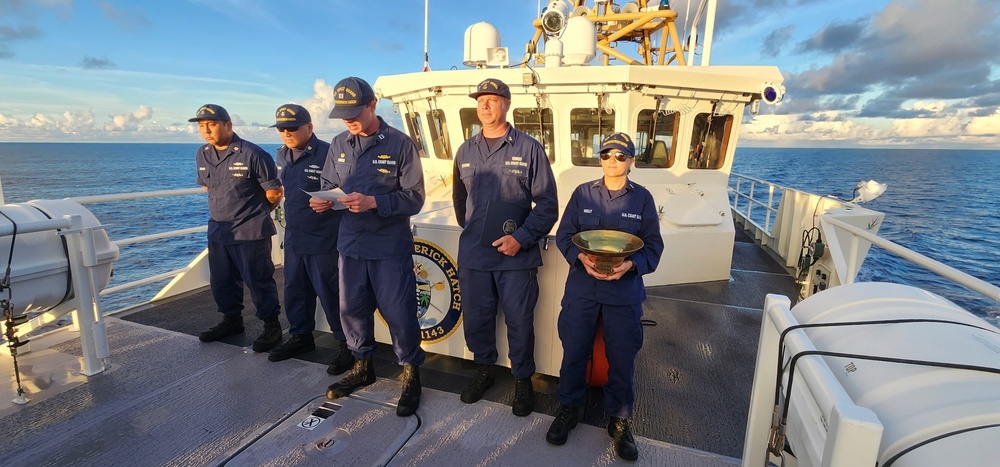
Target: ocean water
{"type": "Point", "coordinates": [31, 171]}
{"type": "Point", "coordinates": [941, 203]}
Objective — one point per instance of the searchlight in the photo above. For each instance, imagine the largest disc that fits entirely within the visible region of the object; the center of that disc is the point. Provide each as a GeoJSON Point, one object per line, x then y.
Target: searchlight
{"type": "Point", "coordinates": [772, 93]}
{"type": "Point", "coordinates": [554, 17]}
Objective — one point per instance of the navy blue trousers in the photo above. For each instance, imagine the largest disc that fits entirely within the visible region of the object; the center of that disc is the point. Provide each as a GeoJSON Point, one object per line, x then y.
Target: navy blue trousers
{"type": "Point", "coordinates": [516, 292]}
{"type": "Point", "coordinates": [390, 286]}
{"type": "Point", "coordinates": [306, 278]}
{"type": "Point", "coordinates": [622, 341]}
{"type": "Point", "coordinates": [230, 266]}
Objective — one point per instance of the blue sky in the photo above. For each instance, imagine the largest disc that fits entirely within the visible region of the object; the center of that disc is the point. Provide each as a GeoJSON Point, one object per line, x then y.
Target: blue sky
{"type": "Point", "coordinates": [873, 73]}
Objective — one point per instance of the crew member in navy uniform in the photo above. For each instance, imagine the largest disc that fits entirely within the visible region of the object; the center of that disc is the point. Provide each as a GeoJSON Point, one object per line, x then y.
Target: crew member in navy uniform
{"type": "Point", "coordinates": [378, 168]}
{"type": "Point", "coordinates": [310, 241]}
{"type": "Point", "coordinates": [243, 187]}
{"type": "Point", "coordinates": [613, 203]}
{"type": "Point", "coordinates": [506, 166]}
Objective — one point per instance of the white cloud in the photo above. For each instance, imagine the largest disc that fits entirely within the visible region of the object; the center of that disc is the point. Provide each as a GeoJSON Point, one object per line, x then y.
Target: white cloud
{"type": "Point", "coordinates": [77, 123]}
{"type": "Point", "coordinates": [237, 120]}
{"type": "Point", "coordinates": [322, 98]}
{"type": "Point", "coordinates": [989, 125]}
{"type": "Point", "coordinates": [824, 129]}
{"type": "Point", "coordinates": [319, 106]}
{"type": "Point", "coordinates": [40, 121]}
{"type": "Point", "coordinates": [926, 127]}
{"type": "Point", "coordinates": [129, 121]}
{"type": "Point", "coordinates": [935, 106]}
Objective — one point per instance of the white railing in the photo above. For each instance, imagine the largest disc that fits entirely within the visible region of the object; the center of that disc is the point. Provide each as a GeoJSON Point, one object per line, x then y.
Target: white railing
{"type": "Point", "coordinates": [970, 282]}
{"type": "Point", "coordinates": [747, 203]}
{"type": "Point", "coordinates": [82, 259]}
{"type": "Point", "coordinates": [145, 238]}
{"type": "Point", "coordinates": [134, 196]}
{"type": "Point", "coordinates": [745, 190]}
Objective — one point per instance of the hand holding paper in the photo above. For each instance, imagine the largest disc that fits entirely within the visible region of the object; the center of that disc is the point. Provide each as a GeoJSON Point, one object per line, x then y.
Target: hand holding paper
{"type": "Point", "coordinates": [329, 195]}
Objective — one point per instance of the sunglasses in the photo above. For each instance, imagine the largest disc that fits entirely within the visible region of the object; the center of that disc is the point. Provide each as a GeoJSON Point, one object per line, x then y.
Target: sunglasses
{"type": "Point", "coordinates": [618, 155]}
{"type": "Point", "coordinates": [290, 129]}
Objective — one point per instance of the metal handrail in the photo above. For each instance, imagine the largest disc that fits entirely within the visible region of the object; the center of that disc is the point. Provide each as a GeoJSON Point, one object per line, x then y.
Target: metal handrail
{"type": "Point", "coordinates": [970, 282]}
{"type": "Point", "coordinates": [160, 236]}
{"type": "Point", "coordinates": [138, 195]}
{"type": "Point", "coordinates": [141, 282]}
{"type": "Point", "coordinates": [34, 226]}
{"type": "Point", "coordinates": [772, 211]}
{"type": "Point", "coordinates": [145, 238]}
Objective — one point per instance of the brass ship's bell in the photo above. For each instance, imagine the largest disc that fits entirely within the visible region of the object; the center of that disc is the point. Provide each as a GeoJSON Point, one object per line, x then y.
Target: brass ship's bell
{"type": "Point", "coordinates": [608, 248]}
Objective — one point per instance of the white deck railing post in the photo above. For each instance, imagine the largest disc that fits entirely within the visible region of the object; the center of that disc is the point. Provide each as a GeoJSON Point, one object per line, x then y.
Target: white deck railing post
{"type": "Point", "coordinates": [770, 208]}
{"type": "Point", "coordinates": [81, 259]}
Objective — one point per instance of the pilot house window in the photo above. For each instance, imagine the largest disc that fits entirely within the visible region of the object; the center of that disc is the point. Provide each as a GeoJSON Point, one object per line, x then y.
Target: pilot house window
{"type": "Point", "coordinates": [709, 141]}
{"type": "Point", "coordinates": [587, 128]}
{"type": "Point", "coordinates": [470, 122]}
{"type": "Point", "coordinates": [415, 129]}
{"type": "Point", "coordinates": [439, 134]}
{"type": "Point", "coordinates": [656, 150]}
{"type": "Point", "coordinates": [527, 121]}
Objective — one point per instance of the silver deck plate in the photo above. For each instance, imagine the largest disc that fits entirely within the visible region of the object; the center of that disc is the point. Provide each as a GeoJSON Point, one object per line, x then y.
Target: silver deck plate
{"type": "Point", "coordinates": [351, 431]}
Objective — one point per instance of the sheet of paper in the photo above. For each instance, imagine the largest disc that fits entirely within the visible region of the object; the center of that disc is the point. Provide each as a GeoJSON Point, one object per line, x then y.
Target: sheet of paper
{"type": "Point", "coordinates": [330, 195]}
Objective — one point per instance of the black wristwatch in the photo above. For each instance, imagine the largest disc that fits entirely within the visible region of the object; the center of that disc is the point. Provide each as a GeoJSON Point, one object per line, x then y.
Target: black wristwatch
{"type": "Point", "coordinates": [632, 269]}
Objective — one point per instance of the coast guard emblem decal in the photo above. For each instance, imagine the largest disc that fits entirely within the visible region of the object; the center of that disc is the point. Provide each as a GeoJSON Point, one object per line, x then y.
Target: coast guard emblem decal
{"type": "Point", "coordinates": [509, 226]}
{"type": "Point", "coordinates": [439, 301]}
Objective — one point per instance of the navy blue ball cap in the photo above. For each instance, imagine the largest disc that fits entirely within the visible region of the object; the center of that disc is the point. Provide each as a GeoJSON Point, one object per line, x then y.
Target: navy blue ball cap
{"type": "Point", "coordinates": [619, 141]}
{"type": "Point", "coordinates": [350, 96]}
{"type": "Point", "coordinates": [492, 86]}
{"type": "Point", "coordinates": [211, 112]}
{"type": "Point", "coordinates": [291, 116]}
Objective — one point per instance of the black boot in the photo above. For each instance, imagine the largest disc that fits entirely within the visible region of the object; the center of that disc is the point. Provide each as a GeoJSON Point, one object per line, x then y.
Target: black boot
{"type": "Point", "coordinates": [269, 338]}
{"type": "Point", "coordinates": [362, 374]}
{"type": "Point", "coordinates": [342, 361]}
{"type": "Point", "coordinates": [298, 343]}
{"type": "Point", "coordinates": [624, 442]}
{"type": "Point", "coordinates": [409, 398]}
{"type": "Point", "coordinates": [524, 397]}
{"type": "Point", "coordinates": [565, 421]}
{"type": "Point", "coordinates": [229, 326]}
{"type": "Point", "coordinates": [479, 384]}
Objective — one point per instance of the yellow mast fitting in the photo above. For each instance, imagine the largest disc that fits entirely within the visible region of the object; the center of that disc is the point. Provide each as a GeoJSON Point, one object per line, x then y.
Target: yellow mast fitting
{"type": "Point", "coordinates": [635, 27]}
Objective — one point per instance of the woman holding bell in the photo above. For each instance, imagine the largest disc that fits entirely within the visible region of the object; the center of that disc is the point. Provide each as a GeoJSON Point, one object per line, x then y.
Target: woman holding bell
{"type": "Point", "coordinates": [613, 298]}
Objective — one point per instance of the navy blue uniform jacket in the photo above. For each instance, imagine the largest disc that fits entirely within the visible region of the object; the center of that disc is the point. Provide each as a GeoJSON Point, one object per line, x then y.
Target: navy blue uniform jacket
{"type": "Point", "coordinates": [237, 203]}
{"type": "Point", "coordinates": [516, 171]}
{"type": "Point", "coordinates": [308, 232]}
{"type": "Point", "coordinates": [633, 211]}
{"type": "Point", "coordinates": [386, 166]}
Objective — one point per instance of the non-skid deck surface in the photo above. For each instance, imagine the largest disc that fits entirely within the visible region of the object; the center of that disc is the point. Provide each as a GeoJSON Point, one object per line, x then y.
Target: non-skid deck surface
{"type": "Point", "coordinates": [172, 400]}
{"type": "Point", "coordinates": [693, 375]}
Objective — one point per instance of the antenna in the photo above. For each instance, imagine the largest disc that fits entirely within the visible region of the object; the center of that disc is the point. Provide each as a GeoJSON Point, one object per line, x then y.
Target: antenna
{"type": "Point", "coordinates": [427, 64]}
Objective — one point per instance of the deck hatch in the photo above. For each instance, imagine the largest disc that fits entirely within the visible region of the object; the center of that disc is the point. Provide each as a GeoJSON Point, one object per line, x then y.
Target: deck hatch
{"type": "Point", "coordinates": [351, 431]}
